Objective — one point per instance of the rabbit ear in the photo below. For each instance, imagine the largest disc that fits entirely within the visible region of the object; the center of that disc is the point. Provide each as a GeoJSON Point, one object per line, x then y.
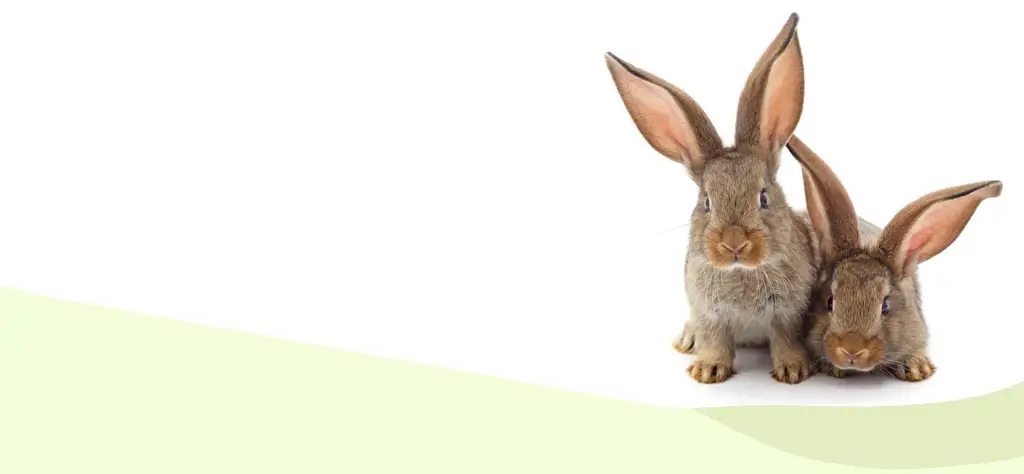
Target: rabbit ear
{"type": "Point", "coordinates": [928, 225]}
{"type": "Point", "coordinates": [668, 118]}
{"type": "Point", "coordinates": [832, 214]}
{"type": "Point", "coordinates": [773, 99]}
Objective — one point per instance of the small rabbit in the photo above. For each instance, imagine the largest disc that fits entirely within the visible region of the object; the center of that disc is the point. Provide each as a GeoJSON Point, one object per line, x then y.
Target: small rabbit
{"type": "Point", "coordinates": [752, 261]}
{"type": "Point", "coordinates": [866, 314]}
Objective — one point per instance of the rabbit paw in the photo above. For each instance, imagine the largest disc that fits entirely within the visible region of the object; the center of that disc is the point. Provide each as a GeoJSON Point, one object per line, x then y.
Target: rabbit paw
{"type": "Point", "coordinates": [914, 369]}
{"type": "Point", "coordinates": [833, 371]}
{"type": "Point", "coordinates": [705, 371]}
{"type": "Point", "coordinates": [829, 370]}
{"type": "Point", "coordinates": [686, 342]}
{"type": "Point", "coordinates": [791, 367]}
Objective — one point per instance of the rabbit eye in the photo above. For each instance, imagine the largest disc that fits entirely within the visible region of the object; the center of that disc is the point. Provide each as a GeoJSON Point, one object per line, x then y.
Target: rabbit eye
{"type": "Point", "coordinates": [830, 303]}
{"type": "Point", "coordinates": [885, 306]}
{"type": "Point", "coordinates": [707, 204]}
{"type": "Point", "coordinates": [764, 199]}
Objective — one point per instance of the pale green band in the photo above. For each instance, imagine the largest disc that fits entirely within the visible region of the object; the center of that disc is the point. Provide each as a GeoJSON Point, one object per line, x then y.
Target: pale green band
{"type": "Point", "coordinates": [86, 389]}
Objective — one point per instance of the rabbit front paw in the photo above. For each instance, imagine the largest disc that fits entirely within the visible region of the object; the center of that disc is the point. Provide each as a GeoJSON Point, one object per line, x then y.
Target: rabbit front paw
{"type": "Point", "coordinates": [709, 371]}
{"type": "Point", "coordinates": [829, 370]}
{"type": "Point", "coordinates": [686, 342]}
{"type": "Point", "coordinates": [790, 367]}
{"type": "Point", "coordinates": [914, 369]}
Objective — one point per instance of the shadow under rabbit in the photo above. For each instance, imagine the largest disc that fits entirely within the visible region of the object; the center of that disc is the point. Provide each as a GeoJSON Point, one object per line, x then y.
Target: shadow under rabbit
{"type": "Point", "coordinates": [755, 362]}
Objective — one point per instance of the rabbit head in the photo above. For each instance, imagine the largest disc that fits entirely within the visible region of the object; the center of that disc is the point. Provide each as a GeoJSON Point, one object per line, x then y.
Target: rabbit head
{"type": "Point", "coordinates": [740, 218]}
{"type": "Point", "coordinates": [866, 306]}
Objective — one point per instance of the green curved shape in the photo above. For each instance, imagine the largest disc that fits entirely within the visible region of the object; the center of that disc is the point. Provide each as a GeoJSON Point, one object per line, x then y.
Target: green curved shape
{"type": "Point", "coordinates": [969, 431]}
{"type": "Point", "coordinates": [87, 389]}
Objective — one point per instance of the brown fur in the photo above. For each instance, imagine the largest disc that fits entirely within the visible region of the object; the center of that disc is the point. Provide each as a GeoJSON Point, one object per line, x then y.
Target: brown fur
{"type": "Point", "coordinates": [749, 270]}
{"type": "Point", "coordinates": [879, 265]}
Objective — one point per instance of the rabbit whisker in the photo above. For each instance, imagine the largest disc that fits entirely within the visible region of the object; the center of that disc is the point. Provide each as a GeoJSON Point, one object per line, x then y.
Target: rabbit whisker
{"type": "Point", "coordinates": [676, 228]}
{"type": "Point", "coordinates": [789, 285]}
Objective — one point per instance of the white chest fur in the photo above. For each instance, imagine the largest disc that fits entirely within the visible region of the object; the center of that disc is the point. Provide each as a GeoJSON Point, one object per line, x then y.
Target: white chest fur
{"type": "Point", "coordinates": [744, 301]}
{"type": "Point", "coordinates": [749, 323]}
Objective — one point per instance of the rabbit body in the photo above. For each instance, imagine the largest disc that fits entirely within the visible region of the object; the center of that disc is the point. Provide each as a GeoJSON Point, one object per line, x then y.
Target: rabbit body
{"type": "Point", "coordinates": [747, 301]}
{"type": "Point", "coordinates": [751, 262]}
{"type": "Point", "coordinates": [866, 313]}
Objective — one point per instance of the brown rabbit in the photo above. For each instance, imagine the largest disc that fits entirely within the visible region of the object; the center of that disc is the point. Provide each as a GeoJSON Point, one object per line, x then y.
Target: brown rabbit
{"type": "Point", "coordinates": [751, 262]}
{"type": "Point", "coordinates": [866, 312]}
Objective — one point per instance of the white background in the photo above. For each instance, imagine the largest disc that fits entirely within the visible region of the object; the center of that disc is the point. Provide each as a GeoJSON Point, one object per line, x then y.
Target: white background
{"type": "Point", "coordinates": [458, 184]}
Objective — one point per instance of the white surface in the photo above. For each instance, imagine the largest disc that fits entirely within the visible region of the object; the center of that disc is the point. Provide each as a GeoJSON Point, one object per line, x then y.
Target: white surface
{"type": "Point", "coordinates": [460, 185]}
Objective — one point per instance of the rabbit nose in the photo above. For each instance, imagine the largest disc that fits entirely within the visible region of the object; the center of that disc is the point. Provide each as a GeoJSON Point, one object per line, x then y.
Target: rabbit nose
{"type": "Point", "coordinates": [735, 241]}
{"type": "Point", "coordinates": [736, 250]}
{"type": "Point", "coordinates": [852, 357]}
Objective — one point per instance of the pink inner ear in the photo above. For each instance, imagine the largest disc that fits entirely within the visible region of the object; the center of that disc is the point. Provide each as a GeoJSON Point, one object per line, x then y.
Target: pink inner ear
{"type": "Point", "coordinates": [935, 230]}
{"type": "Point", "coordinates": [940, 224]}
{"type": "Point", "coordinates": [660, 119]}
{"type": "Point", "coordinates": [783, 99]}
{"type": "Point", "coordinates": [917, 241]}
{"type": "Point", "coordinates": [819, 218]}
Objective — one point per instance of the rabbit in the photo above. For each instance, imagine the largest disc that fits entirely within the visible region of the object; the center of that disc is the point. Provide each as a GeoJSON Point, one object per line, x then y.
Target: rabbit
{"type": "Point", "coordinates": [866, 313]}
{"type": "Point", "coordinates": [751, 261]}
